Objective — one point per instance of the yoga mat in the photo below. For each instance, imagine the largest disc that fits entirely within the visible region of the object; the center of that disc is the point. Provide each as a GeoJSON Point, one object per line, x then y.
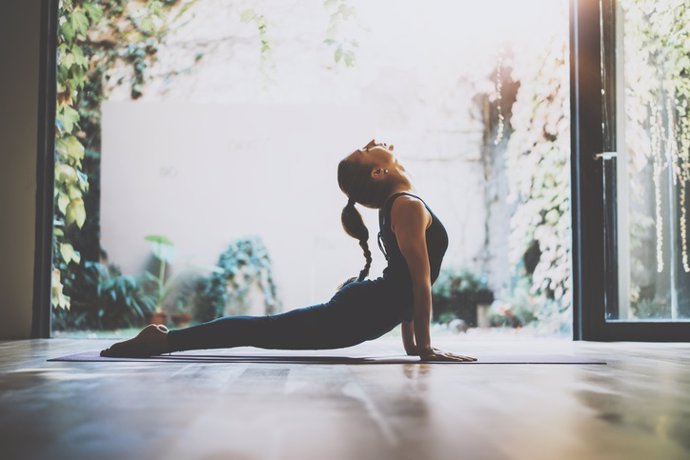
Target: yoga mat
{"type": "Point", "coordinates": [507, 358]}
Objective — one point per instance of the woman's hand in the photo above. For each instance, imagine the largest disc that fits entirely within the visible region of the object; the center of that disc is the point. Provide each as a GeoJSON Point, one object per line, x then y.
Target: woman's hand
{"type": "Point", "coordinates": [434, 354]}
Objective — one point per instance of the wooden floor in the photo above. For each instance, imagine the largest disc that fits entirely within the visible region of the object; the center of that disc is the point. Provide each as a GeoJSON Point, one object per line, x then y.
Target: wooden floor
{"type": "Point", "coordinates": [636, 407]}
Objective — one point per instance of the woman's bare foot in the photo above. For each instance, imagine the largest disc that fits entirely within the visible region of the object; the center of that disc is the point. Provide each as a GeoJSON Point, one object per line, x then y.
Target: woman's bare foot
{"type": "Point", "coordinates": [152, 340]}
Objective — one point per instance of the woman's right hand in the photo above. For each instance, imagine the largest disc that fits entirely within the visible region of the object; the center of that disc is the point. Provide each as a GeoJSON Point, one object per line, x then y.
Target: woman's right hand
{"type": "Point", "coordinates": [434, 354]}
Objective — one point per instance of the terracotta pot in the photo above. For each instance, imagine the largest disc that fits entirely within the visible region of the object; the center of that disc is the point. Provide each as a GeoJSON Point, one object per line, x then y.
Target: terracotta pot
{"type": "Point", "coordinates": [156, 317]}
{"type": "Point", "coordinates": [181, 319]}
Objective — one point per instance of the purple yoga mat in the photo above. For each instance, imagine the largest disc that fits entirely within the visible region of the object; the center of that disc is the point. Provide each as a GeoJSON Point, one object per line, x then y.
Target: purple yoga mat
{"type": "Point", "coordinates": [295, 358]}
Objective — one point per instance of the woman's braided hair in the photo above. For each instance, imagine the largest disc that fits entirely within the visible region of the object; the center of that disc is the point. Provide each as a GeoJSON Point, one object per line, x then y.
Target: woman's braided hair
{"type": "Point", "coordinates": [355, 181]}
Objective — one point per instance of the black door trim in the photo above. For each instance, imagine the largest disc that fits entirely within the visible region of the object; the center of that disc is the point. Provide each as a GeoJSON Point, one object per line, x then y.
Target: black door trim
{"type": "Point", "coordinates": [45, 166]}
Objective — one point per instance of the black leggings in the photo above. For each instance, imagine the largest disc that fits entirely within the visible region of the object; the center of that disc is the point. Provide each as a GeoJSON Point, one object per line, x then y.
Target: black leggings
{"type": "Point", "coordinates": [362, 310]}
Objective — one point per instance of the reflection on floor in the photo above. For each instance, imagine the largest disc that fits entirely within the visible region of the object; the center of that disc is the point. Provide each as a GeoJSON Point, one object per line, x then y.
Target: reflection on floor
{"type": "Point", "coordinates": [636, 407]}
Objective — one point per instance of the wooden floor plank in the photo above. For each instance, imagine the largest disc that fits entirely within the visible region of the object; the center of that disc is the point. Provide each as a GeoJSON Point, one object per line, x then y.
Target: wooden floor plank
{"type": "Point", "coordinates": [636, 407]}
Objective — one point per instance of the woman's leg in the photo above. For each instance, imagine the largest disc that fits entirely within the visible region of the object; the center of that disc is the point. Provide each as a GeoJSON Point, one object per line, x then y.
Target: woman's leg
{"type": "Point", "coordinates": [317, 327]}
{"type": "Point", "coordinates": [354, 315]}
{"type": "Point", "coordinates": [320, 326]}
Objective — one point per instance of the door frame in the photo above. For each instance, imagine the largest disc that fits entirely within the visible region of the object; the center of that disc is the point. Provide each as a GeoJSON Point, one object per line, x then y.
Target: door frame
{"type": "Point", "coordinates": [45, 171]}
{"type": "Point", "coordinates": [594, 270]}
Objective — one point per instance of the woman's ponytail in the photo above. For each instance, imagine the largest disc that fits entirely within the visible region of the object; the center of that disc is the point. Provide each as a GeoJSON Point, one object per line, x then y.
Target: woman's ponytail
{"type": "Point", "coordinates": [354, 226]}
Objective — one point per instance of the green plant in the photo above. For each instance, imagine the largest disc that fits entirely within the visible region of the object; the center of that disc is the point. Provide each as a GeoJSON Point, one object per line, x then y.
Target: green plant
{"type": "Point", "coordinates": [108, 300]}
{"type": "Point", "coordinates": [94, 38]}
{"type": "Point", "coordinates": [656, 308]}
{"type": "Point", "coordinates": [244, 264]}
{"type": "Point", "coordinates": [457, 292]}
{"type": "Point", "coordinates": [163, 249]}
{"type": "Point", "coordinates": [538, 164]}
{"type": "Point", "coordinates": [261, 23]}
{"type": "Point", "coordinates": [656, 124]}
{"type": "Point", "coordinates": [340, 13]}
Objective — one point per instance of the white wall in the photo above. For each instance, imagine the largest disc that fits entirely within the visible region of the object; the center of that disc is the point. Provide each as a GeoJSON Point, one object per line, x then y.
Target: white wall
{"type": "Point", "coordinates": [19, 58]}
{"type": "Point", "coordinates": [206, 174]}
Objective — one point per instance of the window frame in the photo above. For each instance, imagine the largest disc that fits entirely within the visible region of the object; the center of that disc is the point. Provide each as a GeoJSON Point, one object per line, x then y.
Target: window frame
{"type": "Point", "coordinates": [594, 258]}
{"type": "Point", "coordinates": [45, 171]}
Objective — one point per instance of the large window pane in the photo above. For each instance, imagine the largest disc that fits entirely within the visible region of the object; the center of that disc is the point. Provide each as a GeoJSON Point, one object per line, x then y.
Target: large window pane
{"type": "Point", "coordinates": [653, 142]}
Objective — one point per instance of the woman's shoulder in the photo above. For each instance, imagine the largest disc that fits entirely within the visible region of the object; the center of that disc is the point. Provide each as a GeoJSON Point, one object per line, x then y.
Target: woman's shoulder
{"type": "Point", "coordinates": [406, 198]}
{"type": "Point", "coordinates": [409, 207]}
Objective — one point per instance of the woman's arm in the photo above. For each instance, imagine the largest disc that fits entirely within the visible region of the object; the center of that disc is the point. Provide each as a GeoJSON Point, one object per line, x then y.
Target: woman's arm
{"type": "Point", "coordinates": [409, 221]}
{"type": "Point", "coordinates": [407, 328]}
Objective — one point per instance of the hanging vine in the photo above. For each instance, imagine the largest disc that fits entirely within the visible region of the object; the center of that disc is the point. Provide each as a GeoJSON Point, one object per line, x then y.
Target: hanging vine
{"type": "Point", "coordinates": [94, 39]}
{"type": "Point", "coordinates": [657, 72]}
{"type": "Point", "coordinates": [538, 159]}
{"type": "Point", "coordinates": [343, 46]}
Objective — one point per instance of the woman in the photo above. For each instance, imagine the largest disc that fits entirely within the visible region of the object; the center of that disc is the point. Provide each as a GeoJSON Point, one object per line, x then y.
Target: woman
{"type": "Point", "coordinates": [413, 240]}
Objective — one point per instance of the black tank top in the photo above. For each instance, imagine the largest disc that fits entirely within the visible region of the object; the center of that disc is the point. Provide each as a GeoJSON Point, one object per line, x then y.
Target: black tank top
{"type": "Point", "coordinates": [397, 272]}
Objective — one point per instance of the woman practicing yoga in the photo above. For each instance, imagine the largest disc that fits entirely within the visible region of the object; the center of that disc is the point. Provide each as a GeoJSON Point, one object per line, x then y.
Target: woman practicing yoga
{"type": "Point", "coordinates": [411, 237]}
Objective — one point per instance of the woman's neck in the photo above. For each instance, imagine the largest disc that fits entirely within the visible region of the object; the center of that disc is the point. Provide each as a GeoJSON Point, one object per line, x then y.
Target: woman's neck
{"type": "Point", "coordinates": [400, 187]}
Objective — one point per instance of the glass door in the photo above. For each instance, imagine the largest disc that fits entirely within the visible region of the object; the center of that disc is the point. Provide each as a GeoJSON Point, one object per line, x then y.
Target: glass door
{"type": "Point", "coordinates": [631, 167]}
{"type": "Point", "coordinates": [646, 130]}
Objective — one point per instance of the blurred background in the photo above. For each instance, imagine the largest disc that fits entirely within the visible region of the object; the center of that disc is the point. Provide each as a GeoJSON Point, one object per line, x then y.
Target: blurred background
{"type": "Point", "coordinates": [198, 143]}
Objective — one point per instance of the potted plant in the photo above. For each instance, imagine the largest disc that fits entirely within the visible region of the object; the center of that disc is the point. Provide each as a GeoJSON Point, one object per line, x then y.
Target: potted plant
{"type": "Point", "coordinates": [181, 311]}
{"type": "Point", "coordinates": [163, 249]}
{"type": "Point", "coordinates": [462, 294]}
{"type": "Point", "coordinates": [244, 265]}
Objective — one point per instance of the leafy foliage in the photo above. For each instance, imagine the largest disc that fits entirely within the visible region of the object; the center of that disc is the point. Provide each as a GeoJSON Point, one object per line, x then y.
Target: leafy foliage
{"type": "Point", "coordinates": [89, 48]}
{"type": "Point", "coordinates": [163, 250]}
{"type": "Point", "coordinates": [657, 143]}
{"type": "Point", "coordinates": [538, 155]}
{"type": "Point", "coordinates": [343, 47]}
{"type": "Point", "coordinates": [259, 20]}
{"type": "Point", "coordinates": [244, 264]}
{"type": "Point", "coordinates": [456, 294]}
{"type": "Point", "coordinates": [108, 300]}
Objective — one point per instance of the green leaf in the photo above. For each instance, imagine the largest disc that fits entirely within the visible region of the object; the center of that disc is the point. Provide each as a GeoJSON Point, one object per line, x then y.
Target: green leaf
{"type": "Point", "coordinates": [338, 54]}
{"type": "Point", "coordinates": [67, 30]}
{"type": "Point", "coordinates": [79, 57]}
{"type": "Point", "coordinates": [69, 118]}
{"type": "Point", "coordinates": [76, 212]}
{"type": "Point", "coordinates": [162, 247]}
{"type": "Point", "coordinates": [62, 202]}
{"type": "Point", "coordinates": [70, 148]}
{"type": "Point", "coordinates": [79, 22]}
{"type": "Point", "coordinates": [64, 174]}
{"type": "Point", "coordinates": [67, 60]}
{"type": "Point", "coordinates": [160, 239]}
{"type": "Point", "coordinates": [247, 15]}
{"type": "Point", "coordinates": [95, 12]}
{"type": "Point", "coordinates": [66, 250]}
{"type": "Point", "coordinates": [74, 192]}
{"type": "Point", "coordinates": [78, 76]}
{"type": "Point", "coordinates": [69, 254]}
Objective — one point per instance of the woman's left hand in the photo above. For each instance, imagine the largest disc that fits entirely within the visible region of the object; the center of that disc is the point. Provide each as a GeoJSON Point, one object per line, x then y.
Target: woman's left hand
{"type": "Point", "coordinates": [434, 354]}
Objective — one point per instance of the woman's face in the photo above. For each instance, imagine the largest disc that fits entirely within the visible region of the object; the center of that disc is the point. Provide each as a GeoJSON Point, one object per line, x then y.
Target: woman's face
{"type": "Point", "coordinates": [378, 155]}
